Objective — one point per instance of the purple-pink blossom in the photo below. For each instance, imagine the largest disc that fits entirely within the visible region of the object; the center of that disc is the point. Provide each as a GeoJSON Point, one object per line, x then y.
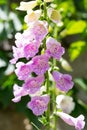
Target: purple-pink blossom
{"type": "Point", "coordinates": [38, 104]}
{"type": "Point", "coordinates": [40, 64]}
{"type": "Point", "coordinates": [30, 50]}
{"type": "Point", "coordinates": [18, 93]}
{"type": "Point", "coordinates": [63, 81]}
{"type": "Point", "coordinates": [17, 53]}
{"type": "Point", "coordinates": [39, 30]}
{"type": "Point", "coordinates": [23, 39]}
{"type": "Point", "coordinates": [78, 122]}
{"type": "Point", "coordinates": [54, 48]}
{"type": "Point", "coordinates": [23, 70]}
{"type": "Point", "coordinates": [33, 84]}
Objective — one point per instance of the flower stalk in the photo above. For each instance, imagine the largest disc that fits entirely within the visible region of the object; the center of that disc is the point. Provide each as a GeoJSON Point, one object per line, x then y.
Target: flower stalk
{"type": "Point", "coordinates": [39, 48]}
{"type": "Point", "coordinates": [48, 110]}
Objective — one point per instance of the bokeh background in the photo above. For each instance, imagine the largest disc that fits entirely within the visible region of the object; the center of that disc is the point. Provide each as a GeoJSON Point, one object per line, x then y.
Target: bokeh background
{"type": "Point", "coordinates": [73, 36]}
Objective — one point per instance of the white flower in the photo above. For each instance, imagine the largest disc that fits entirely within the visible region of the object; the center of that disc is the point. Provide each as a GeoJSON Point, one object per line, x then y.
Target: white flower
{"type": "Point", "coordinates": [54, 15]}
{"type": "Point", "coordinates": [24, 6]}
{"type": "Point", "coordinates": [65, 103]}
{"type": "Point", "coordinates": [32, 16]}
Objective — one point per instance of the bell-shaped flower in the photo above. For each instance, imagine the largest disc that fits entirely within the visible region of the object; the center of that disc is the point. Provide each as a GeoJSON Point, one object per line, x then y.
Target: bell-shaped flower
{"type": "Point", "coordinates": [24, 6]}
{"type": "Point", "coordinates": [40, 64]}
{"type": "Point", "coordinates": [54, 48]}
{"type": "Point", "coordinates": [32, 16]}
{"type": "Point", "coordinates": [78, 122]}
{"type": "Point", "coordinates": [33, 84]}
{"type": "Point", "coordinates": [65, 103]}
{"type": "Point", "coordinates": [63, 81]}
{"type": "Point", "coordinates": [18, 93]}
{"type": "Point", "coordinates": [39, 30]}
{"type": "Point", "coordinates": [17, 53]}
{"type": "Point", "coordinates": [23, 70]}
{"type": "Point", "coordinates": [38, 104]}
{"type": "Point", "coordinates": [54, 15]}
{"type": "Point", "coordinates": [30, 49]}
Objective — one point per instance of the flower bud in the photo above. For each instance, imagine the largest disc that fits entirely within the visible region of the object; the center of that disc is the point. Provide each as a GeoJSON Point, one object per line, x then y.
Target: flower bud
{"type": "Point", "coordinates": [66, 66]}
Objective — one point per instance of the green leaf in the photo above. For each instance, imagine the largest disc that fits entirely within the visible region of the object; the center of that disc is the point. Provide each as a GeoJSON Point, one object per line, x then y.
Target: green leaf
{"type": "Point", "coordinates": [75, 27]}
{"type": "Point", "coordinates": [85, 4]}
{"type": "Point", "coordinates": [3, 2]}
{"type": "Point", "coordinates": [82, 83]}
{"type": "Point", "coordinates": [76, 48]}
{"type": "Point", "coordinates": [67, 8]}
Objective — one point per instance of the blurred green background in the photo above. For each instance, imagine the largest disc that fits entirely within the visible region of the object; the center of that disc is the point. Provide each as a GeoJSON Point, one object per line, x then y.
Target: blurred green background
{"type": "Point", "coordinates": [73, 36]}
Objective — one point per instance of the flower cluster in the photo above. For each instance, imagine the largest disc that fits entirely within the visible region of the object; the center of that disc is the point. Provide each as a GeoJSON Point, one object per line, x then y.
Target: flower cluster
{"type": "Point", "coordinates": [29, 45]}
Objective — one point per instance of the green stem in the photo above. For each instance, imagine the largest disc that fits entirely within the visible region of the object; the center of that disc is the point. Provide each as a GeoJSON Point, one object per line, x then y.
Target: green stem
{"type": "Point", "coordinates": [48, 110]}
{"type": "Point", "coordinates": [45, 10]}
{"type": "Point", "coordinates": [54, 99]}
{"type": "Point", "coordinates": [47, 76]}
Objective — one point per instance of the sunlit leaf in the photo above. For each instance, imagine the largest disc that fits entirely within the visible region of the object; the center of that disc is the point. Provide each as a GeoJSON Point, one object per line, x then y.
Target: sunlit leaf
{"type": "Point", "coordinates": [75, 27]}
{"type": "Point", "coordinates": [76, 48]}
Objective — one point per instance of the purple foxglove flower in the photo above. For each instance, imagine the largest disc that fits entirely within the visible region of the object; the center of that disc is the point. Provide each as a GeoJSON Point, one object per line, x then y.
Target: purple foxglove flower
{"type": "Point", "coordinates": [23, 70]}
{"type": "Point", "coordinates": [24, 38]}
{"type": "Point", "coordinates": [40, 64]}
{"type": "Point", "coordinates": [18, 93]}
{"type": "Point", "coordinates": [63, 81]}
{"type": "Point", "coordinates": [19, 40]}
{"type": "Point", "coordinates": [54, 48]}
{"type": "Point", "coordinates": [39, 30]}
{"type": "Point", "coordinates": [38, 104]}
{"type": "Point", "coordinates": [33, 84]}
{"type": "Point", "coordinates": [77, 122]}
{"type": "Point", "coordinates": [17, 53]}
{"type": "Point", "coordinates": [30, 50]}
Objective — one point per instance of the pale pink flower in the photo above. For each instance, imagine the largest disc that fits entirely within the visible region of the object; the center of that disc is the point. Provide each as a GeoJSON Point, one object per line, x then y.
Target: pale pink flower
{"type": "Point", "coordinates": [17, 53]}
{"type": "Point", "coordinates": [77, 122]}
{"type": "Point", "coordinates": [19, 40]}
{"type": "Point", "coordinates": [54, 48]}
{"type": "Point", "coordinates": [30, 49]}
{"type": "Point", "coordinates": [23, 70]}
{"type": "Point", "coordinates": [39, 30]}
{"type": "Point", "coordinates": [18, 93]}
